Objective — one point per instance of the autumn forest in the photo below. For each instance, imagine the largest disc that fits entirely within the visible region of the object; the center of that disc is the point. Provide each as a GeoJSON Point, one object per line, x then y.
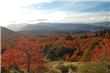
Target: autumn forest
{"type": "Point", "coordinates": [70, 53]}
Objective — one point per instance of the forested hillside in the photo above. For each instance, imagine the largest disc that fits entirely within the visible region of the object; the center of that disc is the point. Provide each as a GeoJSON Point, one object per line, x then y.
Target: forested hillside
{"type": "Point", "coordinates": [57, 54]}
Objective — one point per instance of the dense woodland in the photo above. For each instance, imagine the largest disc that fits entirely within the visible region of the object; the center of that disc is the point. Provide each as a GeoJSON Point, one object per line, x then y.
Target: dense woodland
{"type": "Point", "coordinates": [81, 53]}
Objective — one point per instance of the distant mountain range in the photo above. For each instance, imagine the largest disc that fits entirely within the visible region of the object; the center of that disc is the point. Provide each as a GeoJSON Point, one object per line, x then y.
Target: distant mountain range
{"type": "Point", "coordinates": [103, 24]}
{"type": "Point", "coordinates": [58, 28]}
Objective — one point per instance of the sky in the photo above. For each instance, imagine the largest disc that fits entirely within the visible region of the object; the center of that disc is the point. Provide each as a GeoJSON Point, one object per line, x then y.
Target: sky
{"type": "Point", "coordinates": [54, 11]}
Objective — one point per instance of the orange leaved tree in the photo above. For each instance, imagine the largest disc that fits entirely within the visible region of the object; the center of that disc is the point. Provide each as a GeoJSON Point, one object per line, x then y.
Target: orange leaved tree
{"type": "Point", "coordinates": [26, 54]}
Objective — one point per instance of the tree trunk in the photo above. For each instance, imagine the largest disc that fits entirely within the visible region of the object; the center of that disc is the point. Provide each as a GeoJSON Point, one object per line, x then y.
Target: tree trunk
{"type": "Point", "coordinates": [28, 65]}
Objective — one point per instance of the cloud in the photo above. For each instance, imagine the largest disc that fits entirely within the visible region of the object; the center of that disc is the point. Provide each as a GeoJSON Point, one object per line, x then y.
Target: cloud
{"type": "Point", "coordinates": [38, 20]}
{"type": "Point", "coordinates": [56, 16]}
{"type": "Point", "coordinates": [15, 11]}
{"type": "Point", "coordinates": [87, 17]}
{"type": "Point", "coordinates": [35, 11]}
{"type": "Point", "coordinates": [21, 3]}
{"type": "Point", "coordinates": [74, 6]}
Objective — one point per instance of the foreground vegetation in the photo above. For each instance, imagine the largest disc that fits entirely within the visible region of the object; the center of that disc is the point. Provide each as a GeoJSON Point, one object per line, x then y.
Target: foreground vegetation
{"type": "Point", "coordinates": [101, 65]}
{"type": "Point", "coordinates": [85, 53]}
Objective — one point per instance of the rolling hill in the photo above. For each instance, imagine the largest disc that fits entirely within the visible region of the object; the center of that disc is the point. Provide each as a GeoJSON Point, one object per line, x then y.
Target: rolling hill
{"type": "Point", "coordinates": [58, 28]}
{"type": "Point", "coordinates": [7, 34]}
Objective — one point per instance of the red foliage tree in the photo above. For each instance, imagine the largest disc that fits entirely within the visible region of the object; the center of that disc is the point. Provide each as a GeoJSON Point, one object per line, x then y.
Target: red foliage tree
{"type": "Point", "coordinates": [33, 55]}
{"type": "Point", "coordinates": [25, 55]}
{"type": "Point", "coordinates": [13, 58]}
{"type": "Point", "coordinates": [104, 50]}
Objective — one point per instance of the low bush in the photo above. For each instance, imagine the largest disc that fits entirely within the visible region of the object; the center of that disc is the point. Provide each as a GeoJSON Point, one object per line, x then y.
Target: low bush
{"type": "Point", "coordinates": [99, 66]}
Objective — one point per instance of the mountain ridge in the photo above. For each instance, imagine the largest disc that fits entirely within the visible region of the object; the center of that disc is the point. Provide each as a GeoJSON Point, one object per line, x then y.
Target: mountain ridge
{"type": "Point", "coordinates": [61, 28]}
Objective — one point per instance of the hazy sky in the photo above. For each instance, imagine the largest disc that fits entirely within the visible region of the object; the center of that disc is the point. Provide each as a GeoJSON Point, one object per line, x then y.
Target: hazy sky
{"type": "Point", "coordinates": [65, 11]}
